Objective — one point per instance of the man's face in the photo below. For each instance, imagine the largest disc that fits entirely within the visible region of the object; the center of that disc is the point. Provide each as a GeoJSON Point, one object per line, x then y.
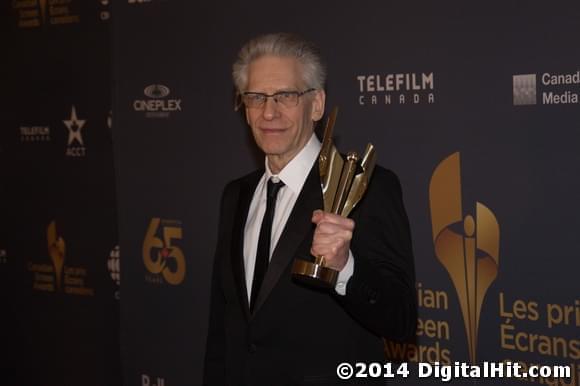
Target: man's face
{"type": "Point", "coordinates": [280, 131]}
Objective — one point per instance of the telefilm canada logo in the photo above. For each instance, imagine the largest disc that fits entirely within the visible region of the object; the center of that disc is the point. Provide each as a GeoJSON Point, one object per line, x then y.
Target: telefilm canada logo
{"type": "Point", "coordinates": [466, 245]}
{"type": "Point", "coordinates": [157, 104]}
{"type": "Point", "coordinates": [394, 89]}
{"type": "Point", "coordinates": [36, 133]}
{"type": "Point", "coordinates": [546, 89]}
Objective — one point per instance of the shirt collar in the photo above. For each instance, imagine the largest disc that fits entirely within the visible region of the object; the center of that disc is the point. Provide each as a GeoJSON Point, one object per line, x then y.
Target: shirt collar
{"type": "Point", "coordinates": [295, 172]}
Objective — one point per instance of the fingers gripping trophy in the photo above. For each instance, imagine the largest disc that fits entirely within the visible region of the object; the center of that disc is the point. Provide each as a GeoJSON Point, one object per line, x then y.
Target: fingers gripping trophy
{"type": "Point", "coordinates": [344, 183]}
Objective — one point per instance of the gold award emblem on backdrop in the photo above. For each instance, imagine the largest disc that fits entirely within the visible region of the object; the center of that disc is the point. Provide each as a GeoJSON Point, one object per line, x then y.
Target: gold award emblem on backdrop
{"type": "Point", "coordinates": [160, 256]}
{"type": "Point", "coordinates": [470, 257]}
{"type": "Point", "coordinates": [343, 183]}
{"type": "Point", "coordinates": [56, 250]}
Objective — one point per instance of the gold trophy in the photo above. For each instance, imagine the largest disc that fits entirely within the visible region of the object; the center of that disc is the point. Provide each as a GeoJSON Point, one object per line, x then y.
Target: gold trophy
{"type": "Point", "coordinates": [343, 182]}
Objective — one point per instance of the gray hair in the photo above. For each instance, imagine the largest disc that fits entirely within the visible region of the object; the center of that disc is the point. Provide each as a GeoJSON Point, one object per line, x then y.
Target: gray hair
{"type": "Point", "coordinates": [282, 45]}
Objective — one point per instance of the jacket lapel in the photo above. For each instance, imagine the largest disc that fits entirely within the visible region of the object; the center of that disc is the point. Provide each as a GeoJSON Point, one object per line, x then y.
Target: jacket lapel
{"type": "Point", "coordinates": [247, 188]}
{"type": "Point", "coordinates": [297, 227]}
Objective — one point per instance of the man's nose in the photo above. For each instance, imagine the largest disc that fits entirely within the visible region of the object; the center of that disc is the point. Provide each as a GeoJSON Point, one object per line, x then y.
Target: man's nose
{"type": "Point", "coordinates": [270, 109]}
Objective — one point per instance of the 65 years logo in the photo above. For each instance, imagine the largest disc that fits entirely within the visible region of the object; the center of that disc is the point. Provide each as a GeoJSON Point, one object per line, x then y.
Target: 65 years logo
{"type": "Point", "coordinates": [163, 259]}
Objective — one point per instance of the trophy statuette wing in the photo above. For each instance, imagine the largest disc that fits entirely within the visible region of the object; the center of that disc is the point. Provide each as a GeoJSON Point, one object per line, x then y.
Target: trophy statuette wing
{"type": "Point", "coordinates": [344, 183]}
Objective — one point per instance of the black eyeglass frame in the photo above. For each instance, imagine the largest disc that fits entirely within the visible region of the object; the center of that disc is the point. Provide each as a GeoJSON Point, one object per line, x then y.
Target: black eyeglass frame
{"type": "Point", "coordinates": [240, 97]}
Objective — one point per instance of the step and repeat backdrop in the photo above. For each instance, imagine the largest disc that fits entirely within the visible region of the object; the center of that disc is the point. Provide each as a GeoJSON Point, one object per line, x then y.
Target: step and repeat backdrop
{"type": "Point", "coordinates": [59, 241]}
{"type": "Point", "coordinates": [476, 107]}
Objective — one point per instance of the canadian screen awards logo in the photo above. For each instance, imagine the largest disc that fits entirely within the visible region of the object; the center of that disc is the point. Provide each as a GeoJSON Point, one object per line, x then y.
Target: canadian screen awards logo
{"type": "Point", "coordinates": [58, 276]}
{"type": "Point", "coordinates": [551, 88]}
{"type": "Point", "coordinates": [157, 104]}
{"type": "Point", "coordinates": [389, 89]}
{"type": "Point", "coordinates": [466, 245]}
{"type": "Point", "coordinates": [36, 13]}
{"type": "Point", "coordinates": [75, 143]}
{"type": "Point", "coordinates": [163, 259]}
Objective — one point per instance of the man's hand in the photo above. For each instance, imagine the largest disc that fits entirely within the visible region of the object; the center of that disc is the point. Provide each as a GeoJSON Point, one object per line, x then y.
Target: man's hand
{"type": "Point", "coordinates": [332, 238]}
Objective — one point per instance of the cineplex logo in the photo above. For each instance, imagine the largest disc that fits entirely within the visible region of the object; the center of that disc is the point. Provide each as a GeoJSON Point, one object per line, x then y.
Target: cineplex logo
{"type": "Point", "coordinates": [556, 89]}
{"type": "Point", "coordinates": [157, 105]}
{"type": "Point", "coordinates": [396, 89]}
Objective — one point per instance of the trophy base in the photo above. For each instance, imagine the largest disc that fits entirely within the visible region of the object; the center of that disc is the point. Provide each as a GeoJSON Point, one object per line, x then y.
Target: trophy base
{"type": "Point", "coordinates": [316, 275]}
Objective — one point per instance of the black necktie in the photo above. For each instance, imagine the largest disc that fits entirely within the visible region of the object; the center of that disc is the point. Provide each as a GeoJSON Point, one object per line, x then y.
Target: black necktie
{"type": "Point", "coordinates": [263, 251]}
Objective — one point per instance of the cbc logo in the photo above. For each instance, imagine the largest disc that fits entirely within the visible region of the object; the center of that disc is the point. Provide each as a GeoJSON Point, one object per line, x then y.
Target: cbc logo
{"type": "Point", "coordinates": [160, 255]}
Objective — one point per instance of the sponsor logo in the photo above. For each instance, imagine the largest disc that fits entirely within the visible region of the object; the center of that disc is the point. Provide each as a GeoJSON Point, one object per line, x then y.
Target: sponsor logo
{"type": "Point", "coordinates": [110, 120]}
{"type": "Point", "coordinates": [34, 133]}
{"type": "Point", "coordinates": [75, 146]}
{"type": "Point", "coordinates": [466, 245]}
{"type": "Point", "coordinates": [147, 380]}
{"type": "Point", "coordinates": [552, 88]}
{"type": "Point", "coordinates": [396, 88]}
{"type": "Point", "coordinates": [105, 12]}
{"type": "Point", "coordinates": [58, 276]}
{"type": "Point", "coordinates": [36, 13]}
{"type": "Point", "coordinates": [114, 267]}
{"type": "Point", "coordinates": [164, 261]}
{"type": "Point", "coordinates": [158, 105]}
{"type": "Point", "coordinates": [3, 256]}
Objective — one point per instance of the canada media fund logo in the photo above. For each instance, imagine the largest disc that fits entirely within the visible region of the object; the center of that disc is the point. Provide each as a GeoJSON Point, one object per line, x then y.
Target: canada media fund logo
{"type": "Point", "coordinates": [551, 88]}
{"type": "Point", "coordinates": [164, 261]}
{"type": "Point", "coordinates": [470, 255]}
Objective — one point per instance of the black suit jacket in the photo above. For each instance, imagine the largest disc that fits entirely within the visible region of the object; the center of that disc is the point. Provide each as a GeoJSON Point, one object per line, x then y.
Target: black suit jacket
{"type": "Point", "coordinates": [297, 335]}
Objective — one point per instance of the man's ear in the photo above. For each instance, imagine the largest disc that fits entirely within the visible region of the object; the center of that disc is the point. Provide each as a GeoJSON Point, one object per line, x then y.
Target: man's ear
{"type": "Point", "coordinates": [318, 105]}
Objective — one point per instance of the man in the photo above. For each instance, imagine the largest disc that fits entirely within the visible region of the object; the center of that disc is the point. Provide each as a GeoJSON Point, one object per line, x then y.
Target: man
{"type": "Point", "coordinates": [265, 328]}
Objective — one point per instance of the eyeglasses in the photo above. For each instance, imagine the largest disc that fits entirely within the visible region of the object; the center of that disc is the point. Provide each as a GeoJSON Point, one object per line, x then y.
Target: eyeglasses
{"type": "Point", "coordinates": [285, 98]}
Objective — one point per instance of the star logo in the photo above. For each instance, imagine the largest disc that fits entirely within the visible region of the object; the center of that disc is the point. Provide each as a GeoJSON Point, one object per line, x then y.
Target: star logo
{"type": "Point", "coordinates": [74, 126]}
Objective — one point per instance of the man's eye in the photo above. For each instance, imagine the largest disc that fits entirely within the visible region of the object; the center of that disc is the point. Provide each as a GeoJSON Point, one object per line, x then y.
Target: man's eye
{"type": "Point", "coordinates": [286, 95]}
{"type": "Point", "coordinates": [256, 97]}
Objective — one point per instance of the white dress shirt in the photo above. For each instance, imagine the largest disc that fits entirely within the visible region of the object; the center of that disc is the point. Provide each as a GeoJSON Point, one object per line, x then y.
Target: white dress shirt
{"type": "Point", "coordinates": [293, 176]}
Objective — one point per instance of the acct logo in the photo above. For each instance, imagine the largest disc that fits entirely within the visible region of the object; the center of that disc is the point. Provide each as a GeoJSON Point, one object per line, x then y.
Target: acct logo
{"type": "Point", "coordinates": [75, 144]}
{"type": "Point", "coordinates": [470, 255]}
{"type": "Point", "coordinates": [396, 89]}
{"type": "Point", "coordinates": [554, 88]}
{"type": "Point", "coordinates": [157, 105]}
{"type": "Point", "coordinates": [164, 261]}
